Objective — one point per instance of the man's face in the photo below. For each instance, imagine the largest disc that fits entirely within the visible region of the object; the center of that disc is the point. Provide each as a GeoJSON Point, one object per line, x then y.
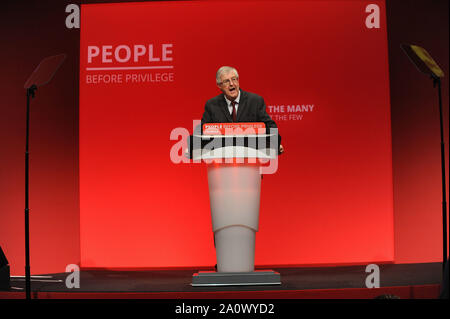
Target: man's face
{"type": "Point", "coordinates": [229, 85]}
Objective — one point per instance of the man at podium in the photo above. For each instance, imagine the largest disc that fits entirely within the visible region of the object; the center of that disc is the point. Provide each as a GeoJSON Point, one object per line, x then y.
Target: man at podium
{"type": "Point", "coordinates": [235, 105]}
{"type": "Point", "coordinates": [235, 187]}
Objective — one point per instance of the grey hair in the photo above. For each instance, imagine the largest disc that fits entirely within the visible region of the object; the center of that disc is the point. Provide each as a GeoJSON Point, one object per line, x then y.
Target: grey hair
{"type": "Point", "coordinates": [225, 69]}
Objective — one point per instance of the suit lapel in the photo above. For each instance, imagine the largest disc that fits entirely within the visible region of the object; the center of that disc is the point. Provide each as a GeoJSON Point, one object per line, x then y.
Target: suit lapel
{"type": "Point", "coordinates": [242, 102]}
{"type": "Point", "coordinates": [224, 108]}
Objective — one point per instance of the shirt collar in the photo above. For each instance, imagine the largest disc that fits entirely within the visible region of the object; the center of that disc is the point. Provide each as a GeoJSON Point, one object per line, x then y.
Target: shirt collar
{"type": "Point", "coordinates": [236, 100]}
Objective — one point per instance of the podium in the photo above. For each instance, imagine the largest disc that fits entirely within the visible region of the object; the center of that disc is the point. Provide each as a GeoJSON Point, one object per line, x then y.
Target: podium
{"type": "Point", "coordinates": [235, 154]}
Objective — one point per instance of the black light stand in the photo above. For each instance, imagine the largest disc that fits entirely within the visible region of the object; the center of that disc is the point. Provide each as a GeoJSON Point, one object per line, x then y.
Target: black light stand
{"type": "Point", "coordinates": [437, 80]}
{"type": "Point", "coordinates": [40, 76]}
{"type": "Point", "coordinates": [30, 94]}
{"type": "Point", "coordinates": [423, 61]}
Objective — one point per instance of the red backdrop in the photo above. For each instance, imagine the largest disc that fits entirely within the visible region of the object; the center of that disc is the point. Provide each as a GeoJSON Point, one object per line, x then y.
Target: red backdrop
{"type": "Point", "coordinates": [55, 217]}
{"type": "Point", "coordinates": [330, 200]}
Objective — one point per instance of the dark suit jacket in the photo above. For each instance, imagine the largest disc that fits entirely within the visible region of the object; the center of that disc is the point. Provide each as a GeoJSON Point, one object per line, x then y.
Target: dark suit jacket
{"type": "Point", "coordinates": [251, 108]}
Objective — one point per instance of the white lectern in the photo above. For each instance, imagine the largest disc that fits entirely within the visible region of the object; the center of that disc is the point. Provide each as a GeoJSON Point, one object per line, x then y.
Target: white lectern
{"type": "Point", "coordinates": [234, 194]}
{"type": "Point", "coordinates": [234, 156]}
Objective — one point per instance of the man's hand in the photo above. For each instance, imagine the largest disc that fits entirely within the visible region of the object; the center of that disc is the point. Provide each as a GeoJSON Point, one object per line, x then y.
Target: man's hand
{"type": "Point", "coordinates": [281, 149]}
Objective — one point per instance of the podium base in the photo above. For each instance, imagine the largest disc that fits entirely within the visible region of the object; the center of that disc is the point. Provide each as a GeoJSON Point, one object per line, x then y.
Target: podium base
{"type": "Point", "coordinates": [259, 277]}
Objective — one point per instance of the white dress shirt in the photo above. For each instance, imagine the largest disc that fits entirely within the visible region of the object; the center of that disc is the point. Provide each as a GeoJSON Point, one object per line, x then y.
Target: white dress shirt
{"type": "Point", "coordinates": [230, 107]}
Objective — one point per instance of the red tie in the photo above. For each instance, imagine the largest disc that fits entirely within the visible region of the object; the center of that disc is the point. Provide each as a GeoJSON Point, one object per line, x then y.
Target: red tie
{"type": "Point", "coordinates": [234, 110]}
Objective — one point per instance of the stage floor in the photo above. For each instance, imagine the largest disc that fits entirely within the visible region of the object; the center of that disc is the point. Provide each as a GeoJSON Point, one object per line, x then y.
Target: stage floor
{"type": "Point", "coordinates": [177, 283]}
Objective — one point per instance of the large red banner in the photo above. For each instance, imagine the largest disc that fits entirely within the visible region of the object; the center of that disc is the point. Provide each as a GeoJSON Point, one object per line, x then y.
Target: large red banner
{"type": "Point", "coordinates": [146, 71]}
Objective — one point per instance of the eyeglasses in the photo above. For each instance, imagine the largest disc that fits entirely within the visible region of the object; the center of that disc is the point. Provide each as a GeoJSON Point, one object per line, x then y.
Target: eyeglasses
{"type": "Point", "coordinates": [228, 81]}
